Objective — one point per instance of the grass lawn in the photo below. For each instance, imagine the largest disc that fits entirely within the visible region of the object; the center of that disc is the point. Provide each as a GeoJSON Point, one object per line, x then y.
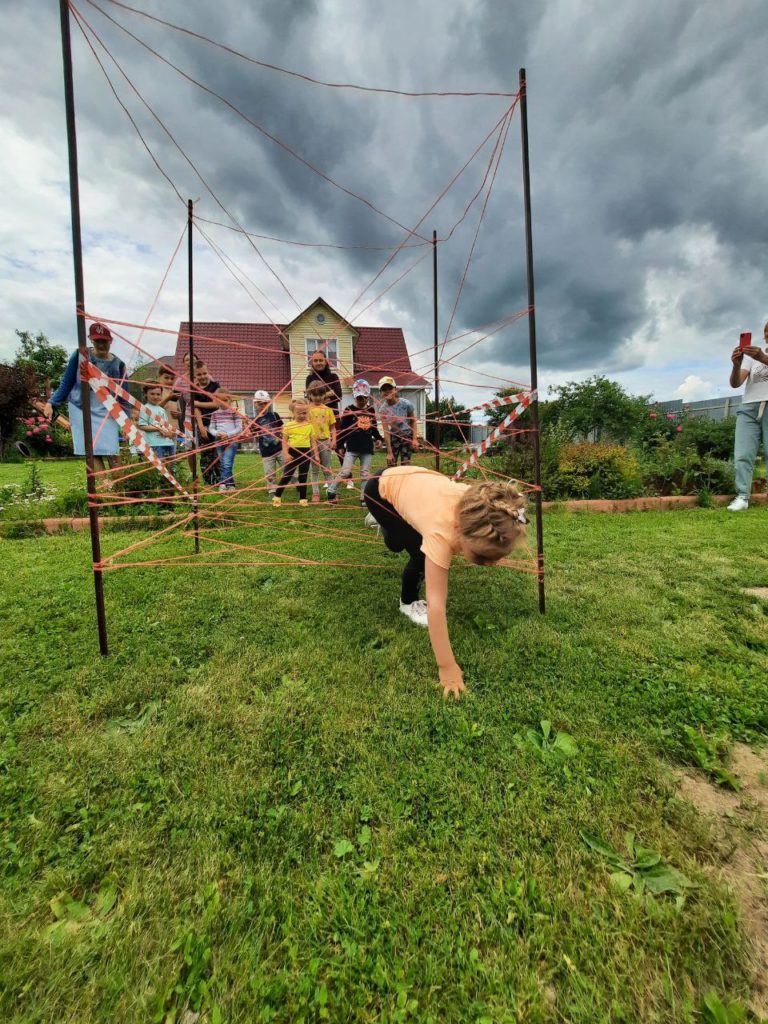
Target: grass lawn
{"type": "Point", "coordinates": [260, 808]}
{"type": "Point", "coordinates": [64, 482]}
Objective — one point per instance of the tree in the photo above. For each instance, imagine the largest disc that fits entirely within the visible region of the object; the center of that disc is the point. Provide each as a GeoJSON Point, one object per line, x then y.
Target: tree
{"type": "Point", "coordinates": [597, 409]}
{"type": "Point", "coordinates": [450, 432]}
{"type": "Point", "coordinates": [36, 353]}
{"type": "Point", "coordinates": [16, 386]}
{"type": "Point", "coordinates": [495, 416]}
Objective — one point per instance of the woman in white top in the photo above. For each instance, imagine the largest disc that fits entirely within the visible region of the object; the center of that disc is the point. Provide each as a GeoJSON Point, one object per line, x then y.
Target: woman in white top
{"type": "Point", "coordinates": [751, 419]}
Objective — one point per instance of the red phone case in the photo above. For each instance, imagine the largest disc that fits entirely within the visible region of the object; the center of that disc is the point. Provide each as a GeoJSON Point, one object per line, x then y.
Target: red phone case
{"type": "Point", "coordinates": [745, 340]}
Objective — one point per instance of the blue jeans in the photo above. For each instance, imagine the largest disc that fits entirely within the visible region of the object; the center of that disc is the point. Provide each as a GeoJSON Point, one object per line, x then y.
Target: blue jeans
{"type": "Point", "coordinates": [749, 427]}
{"type": "Point", "coordinates": [227, 454]}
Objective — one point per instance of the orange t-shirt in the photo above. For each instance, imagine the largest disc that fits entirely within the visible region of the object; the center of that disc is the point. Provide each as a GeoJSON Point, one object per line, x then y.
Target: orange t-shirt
{"type": "Point", "coordinates": [427, 501]}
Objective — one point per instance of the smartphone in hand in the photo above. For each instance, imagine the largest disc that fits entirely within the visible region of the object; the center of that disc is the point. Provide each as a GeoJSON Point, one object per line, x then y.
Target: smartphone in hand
{"type": "Point", "coordinates": [745, 340]}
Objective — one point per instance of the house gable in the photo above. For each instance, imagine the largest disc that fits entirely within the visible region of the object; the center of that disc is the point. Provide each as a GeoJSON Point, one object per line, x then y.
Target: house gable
{"type": "Point", "coordinates": [320, 326]}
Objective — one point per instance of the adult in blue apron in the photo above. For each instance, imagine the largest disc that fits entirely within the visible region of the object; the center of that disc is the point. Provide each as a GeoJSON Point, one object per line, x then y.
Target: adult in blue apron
{"type": "Point", "coordinates": [105, 431]}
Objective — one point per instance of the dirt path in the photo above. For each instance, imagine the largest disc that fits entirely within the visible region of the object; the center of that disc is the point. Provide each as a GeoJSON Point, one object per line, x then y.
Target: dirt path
{"type": "Point", "coordinates": [745, 868]}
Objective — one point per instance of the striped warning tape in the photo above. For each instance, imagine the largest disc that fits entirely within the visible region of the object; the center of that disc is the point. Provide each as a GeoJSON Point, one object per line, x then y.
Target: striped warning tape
{"type": "Point", "coordinates": [101, 385]}
{"type": "Point", "coordinates": [525, 401]}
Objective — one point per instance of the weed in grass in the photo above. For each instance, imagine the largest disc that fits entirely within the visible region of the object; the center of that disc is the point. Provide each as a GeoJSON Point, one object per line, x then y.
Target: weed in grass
{"type": "Point", "coordinates": [542, 741]}
{"type": "Point", "coordinates": [642, 870]}
{"type": "Point", "coordinates": [707, 753]}
{"type": "Point", "coordinates": [717, 1012]}
{"type": "Point", "coordinates": [72, 915]}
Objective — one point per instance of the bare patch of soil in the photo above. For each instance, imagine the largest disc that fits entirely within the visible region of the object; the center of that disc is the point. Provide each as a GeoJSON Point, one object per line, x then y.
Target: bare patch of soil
{"type": "Point", "coordinates": [761, 592]}
{"type": "Point", "coordinates": [746, 868]}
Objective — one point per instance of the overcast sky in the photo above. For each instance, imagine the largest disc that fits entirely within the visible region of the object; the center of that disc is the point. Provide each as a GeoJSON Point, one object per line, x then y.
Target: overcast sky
{"type": "Point", "coordinates": [648, 135]}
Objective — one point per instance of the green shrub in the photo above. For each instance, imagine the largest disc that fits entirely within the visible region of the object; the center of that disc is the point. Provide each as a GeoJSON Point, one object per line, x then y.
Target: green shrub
{"type": "Point", "coordinates": [42, 437]}
{"type": "Point", "coordinates": [708, 437]}
{"type": "Point", "coordinates": [670, 468]}
{"type": "Point", "coordinates": [73, 502]}
{"type": "Point", "coordinates": [597, 471]}
{"type": "Point", "coordinates": [21, 529]}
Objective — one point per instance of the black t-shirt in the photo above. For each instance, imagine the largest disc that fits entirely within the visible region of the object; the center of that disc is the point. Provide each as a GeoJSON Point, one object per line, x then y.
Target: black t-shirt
{"type": "Point", "coordinates": [358, 430]}
{"type": "Point", "coordinates": [327, 376]}
{"type": "Point", "coordinates": [211, 387]}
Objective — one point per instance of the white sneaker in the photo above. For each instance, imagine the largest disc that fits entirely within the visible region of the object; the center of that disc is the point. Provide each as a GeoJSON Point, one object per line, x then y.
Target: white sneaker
{"type": "Point", "coordinates": [222, 488]}
{"type": "Point", "coordinates": [739, 503]}
{"type": "Point", "coordinates": [350, 485]}
{"type": "Point", "coordinates": [416, 612]}
{"type": "Point", "coordinates": [370, 520]}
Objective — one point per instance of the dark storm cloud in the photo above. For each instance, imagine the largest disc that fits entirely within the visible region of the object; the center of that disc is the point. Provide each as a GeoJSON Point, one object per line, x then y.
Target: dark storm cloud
{"type": "Point", "coordinates": [645, 122]}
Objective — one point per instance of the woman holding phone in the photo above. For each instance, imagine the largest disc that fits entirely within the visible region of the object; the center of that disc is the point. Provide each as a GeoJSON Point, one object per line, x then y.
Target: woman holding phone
{"type": "Point", "coordinates": [752, 418]}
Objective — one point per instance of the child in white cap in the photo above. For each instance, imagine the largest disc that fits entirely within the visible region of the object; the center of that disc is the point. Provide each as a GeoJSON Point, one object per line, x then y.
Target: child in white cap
{"type": "Point", "coordinates": [269, 430]}
{"type": "Point", "coordinates": [359, 435]}
{"type": "Point", "coordinates": [398, 421]}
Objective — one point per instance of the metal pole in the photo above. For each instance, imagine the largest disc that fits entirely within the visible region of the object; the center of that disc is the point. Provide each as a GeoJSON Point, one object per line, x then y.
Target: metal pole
{"type": "Point", "coordinates": [77, 260]}
{"type": "Point", "coordinates": [191, 326]}
{"type": "Point", "coordinates": [532, 336]}
{"type": "Point", "coordinates": [437, 362]}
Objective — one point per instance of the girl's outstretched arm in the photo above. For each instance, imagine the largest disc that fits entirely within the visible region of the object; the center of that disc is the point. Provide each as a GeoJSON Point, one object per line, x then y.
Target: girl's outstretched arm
{"type": "Point", "coordinates": [451, 676]}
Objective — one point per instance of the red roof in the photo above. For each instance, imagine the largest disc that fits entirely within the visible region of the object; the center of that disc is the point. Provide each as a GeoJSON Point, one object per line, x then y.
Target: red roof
{"type": "Point", "coordinates": [247, 357]}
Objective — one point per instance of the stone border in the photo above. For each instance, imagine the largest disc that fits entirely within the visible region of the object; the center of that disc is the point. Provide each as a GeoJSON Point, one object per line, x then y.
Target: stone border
{"type": "Point", "coordinates": [645, 504]}
{"type": "Point", "coordinates": [586, 505]}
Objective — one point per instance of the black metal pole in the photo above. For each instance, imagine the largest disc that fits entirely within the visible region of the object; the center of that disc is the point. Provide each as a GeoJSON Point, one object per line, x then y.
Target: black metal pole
{"type": "Point", "coordinates": [532, 336]}
{"type": "Point", "coordinates": [437, 361]}
{"type": "Point", "coordinates": [77, 260]}
{"type": "Point", "coordinates": [191, 326]}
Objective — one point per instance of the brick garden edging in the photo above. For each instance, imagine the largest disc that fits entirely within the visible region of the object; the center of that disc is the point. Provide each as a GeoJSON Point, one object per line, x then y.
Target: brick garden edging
{"type": "Point", "coordinates": [645, 504]}
{"type": "Point", "coordinates": [585, 505]}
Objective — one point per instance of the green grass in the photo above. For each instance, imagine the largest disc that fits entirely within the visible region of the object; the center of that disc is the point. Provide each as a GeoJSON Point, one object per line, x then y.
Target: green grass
{"type": "Point", "coordinates": [294, 826]}
{"type": "Point", "coordinates": [65, 479]}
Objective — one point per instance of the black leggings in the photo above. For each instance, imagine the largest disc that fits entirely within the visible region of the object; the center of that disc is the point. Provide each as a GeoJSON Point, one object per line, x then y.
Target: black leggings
{"type": "Point", "coordinates": [299, 459]}
{"type": "Point", "coordinates": [398, 536]}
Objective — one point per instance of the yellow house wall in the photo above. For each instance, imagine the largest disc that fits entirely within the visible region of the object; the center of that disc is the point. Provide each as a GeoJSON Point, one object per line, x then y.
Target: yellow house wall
{"type": "Point", "coordinates": [308, 327]}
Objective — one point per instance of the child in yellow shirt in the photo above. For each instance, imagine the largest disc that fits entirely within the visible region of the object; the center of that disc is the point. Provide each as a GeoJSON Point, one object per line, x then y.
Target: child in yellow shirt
{"type": "Point", "coordinates": [299, 447]}
{"type": "Point", "coordinates": [324, 425]}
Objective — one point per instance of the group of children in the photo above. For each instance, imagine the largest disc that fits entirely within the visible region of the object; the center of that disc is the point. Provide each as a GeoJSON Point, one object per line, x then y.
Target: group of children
{"type": "Point", "coordinates": [301, 447]}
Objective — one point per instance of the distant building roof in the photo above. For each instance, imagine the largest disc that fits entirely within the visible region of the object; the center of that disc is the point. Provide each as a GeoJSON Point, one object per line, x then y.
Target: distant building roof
{"type": "Point", "coordinates": [246, 357]}
{"type": "Point", "coordinates": [148, 371]}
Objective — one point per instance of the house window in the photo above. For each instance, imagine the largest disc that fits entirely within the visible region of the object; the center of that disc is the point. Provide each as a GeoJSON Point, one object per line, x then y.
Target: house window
{"type": "Point", "coordinates": [325, 345]}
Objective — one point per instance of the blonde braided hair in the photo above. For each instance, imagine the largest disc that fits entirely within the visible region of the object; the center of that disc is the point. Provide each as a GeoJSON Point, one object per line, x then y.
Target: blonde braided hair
{"type": "Point", "coordinates": [491, 519]}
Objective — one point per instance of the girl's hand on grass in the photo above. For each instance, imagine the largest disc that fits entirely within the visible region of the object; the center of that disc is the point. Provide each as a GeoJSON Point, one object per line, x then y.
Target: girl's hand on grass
{"type": "Point", "coordinates": [452, 681]}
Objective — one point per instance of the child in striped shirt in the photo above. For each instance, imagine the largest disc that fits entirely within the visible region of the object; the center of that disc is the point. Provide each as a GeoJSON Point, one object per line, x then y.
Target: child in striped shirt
{"type": "Point", "coordinates": [226, 425]}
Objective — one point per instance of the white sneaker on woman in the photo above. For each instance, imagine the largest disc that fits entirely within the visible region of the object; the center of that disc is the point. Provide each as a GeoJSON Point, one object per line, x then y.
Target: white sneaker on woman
{"type": "Point", "coordinates": [416, 612]}
{"type": "Point", "coordinates": [739, 503]}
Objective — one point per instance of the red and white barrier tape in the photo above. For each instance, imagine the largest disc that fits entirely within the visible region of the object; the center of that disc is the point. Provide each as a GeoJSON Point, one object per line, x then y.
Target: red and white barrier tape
{"type": "Point", "coordinates": [525, 401]}
{"type": "Point", "coordinates": [500, 402]}
{"type": "Point", "coordinates": [101, 387]}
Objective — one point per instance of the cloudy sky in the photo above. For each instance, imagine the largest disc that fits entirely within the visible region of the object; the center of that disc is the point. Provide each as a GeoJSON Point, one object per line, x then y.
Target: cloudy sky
{"type": "Point", "coordinates": [648, 134]}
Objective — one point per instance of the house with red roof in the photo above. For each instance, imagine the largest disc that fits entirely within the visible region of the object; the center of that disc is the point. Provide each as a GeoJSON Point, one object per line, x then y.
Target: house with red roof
{"type": "Point", "coordinates": [245, 358]}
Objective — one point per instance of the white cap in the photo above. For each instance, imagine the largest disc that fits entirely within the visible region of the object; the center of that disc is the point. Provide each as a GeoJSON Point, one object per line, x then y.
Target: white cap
{"type": "Point", "coordinates": [261, 396]}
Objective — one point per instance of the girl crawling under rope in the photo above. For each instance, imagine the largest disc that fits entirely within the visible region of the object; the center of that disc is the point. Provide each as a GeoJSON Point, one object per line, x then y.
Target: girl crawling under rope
{"type": "Point", "coordinates": [433, 519]}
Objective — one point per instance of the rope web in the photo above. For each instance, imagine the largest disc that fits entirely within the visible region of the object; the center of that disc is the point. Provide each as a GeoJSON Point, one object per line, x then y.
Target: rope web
{"type": "Point", "coordinates": [241, 528]}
